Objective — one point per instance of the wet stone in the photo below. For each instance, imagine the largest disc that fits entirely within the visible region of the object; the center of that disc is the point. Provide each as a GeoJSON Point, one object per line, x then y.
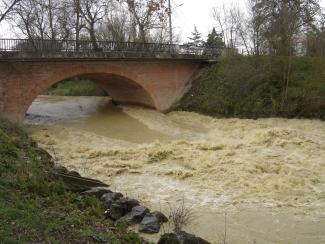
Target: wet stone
{"type": "Point", "coordinates": [110, 197]}
{"type": "Point", "coordinates": [60, 169]}
{"type": "Point", "coordinates": [169, 238]}
{"type": "Point", "coordinates": [181, 237]}
{"type": "Point", "coordinates": [149, 224]}
{"type": "Point", "coordinates": [136, 215]}
{"type": "Point", "coordinates": [96, 192]}
{"type": "Point", "coordinates": [74, 173]}
{"type": "Point", "coordinates": [128, 203]}
{"type": "Point", "coordinates": [115, 212]}
{"type": "Point", "coordinates": [120, 207]}
{"type": "Point", "coordinates": [162, 218]}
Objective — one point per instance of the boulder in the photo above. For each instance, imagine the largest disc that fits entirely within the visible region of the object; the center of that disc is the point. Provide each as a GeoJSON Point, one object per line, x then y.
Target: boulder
{"type": "Point", "coordinates": [120, 207]}
{"type": "Point", "coordinates": [149, 224]}
{"type": "Point", "coordinates": [74, 173]}
{"type": "Point", "coordinates": [96, 192]}
{"type": "Point", "coordinates": [60, 169]}
{"type": "Point", "coordinates": [136, 215]}
{"type": "Point", "coordinates": [115, 212]}
{"type": "Point", "coordinates": [162, 218]}
{"type": "Point", "coordinates": [169, 238]}
{"type": "Point", "coordinates": [181, 237]}
{"type": "Point", "coordinates": [110, 197]}
{"type": "Point", "coordinates": [128, 203]}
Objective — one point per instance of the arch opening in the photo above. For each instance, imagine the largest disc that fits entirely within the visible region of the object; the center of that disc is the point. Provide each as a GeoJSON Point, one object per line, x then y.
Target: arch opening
{"type": "Point", "coordinates": [120, 89]}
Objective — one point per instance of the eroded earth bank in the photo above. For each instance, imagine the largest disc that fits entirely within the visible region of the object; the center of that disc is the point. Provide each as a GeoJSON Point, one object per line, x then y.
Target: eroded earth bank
{"type": "Point", "coordinates": [264, 180]}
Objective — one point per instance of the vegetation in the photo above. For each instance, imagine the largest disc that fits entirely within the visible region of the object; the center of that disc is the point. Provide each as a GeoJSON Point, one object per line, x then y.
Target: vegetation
{"type": "Point", "coordinates": [36, 208]}
{"type": "Point", "coordinates": [76, 88]}
{"type": "Point", "coordinates": [116, 20]}
{"type": "Point", "coordinates": [255, 86]}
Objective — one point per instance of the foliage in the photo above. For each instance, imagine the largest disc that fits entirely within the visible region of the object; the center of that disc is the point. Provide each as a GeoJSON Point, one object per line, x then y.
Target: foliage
{"type": "Point", "coordinates": [281, 21]}
{"type": "Point", "coordinates": [214, 43]}
{"type": "Point", "coordinates": [196, 38]}
{"type": "Point", "coordinates": [215, 39]}
{"type": "Point", "coordinates": [253, 86]}
{"type": "Point", "coordinates": [76, 88]}
{"type": "Point", "coordinates": [36, 208]}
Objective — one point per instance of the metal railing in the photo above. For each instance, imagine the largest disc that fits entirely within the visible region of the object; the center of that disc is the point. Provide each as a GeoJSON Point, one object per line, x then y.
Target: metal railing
{"type": "Point", "coordinates": [37, 48]}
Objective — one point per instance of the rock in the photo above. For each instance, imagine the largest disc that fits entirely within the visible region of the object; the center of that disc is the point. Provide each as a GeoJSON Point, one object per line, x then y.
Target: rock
{"type": "Point", "coordinates": [128, 203]}
{"type": "Point", "coordinates": [60, 169]}
{"type": "Point", "coordinates": [181, 237]}
{"type": "Point", "coordinates": [149, 224]}
{"type": "Point", "coordinates": [96, 192]}
{"type": "Point", "coordinates": [186, 238]}
{"type": "Point", "coordinates": [116, 211]}
{"type": "Point", "coordinates": [109, 198]}
{"type": "Point", "coordinates": [169, 238]}
{"type": "Point", "coordinates": [120, 207]}
{"type": "Point", "coordinates": [74, 173]}
{"type": "Point", "coordinates": [162, 218]}
{"type": "Point", "coordinates": [136, 215]}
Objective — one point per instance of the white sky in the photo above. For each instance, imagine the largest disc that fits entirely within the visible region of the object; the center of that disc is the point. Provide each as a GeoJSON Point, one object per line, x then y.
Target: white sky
{"type": "Point", "coordinates": [186, 14]}
{"type": "Point", "coordinates": [199, 13]}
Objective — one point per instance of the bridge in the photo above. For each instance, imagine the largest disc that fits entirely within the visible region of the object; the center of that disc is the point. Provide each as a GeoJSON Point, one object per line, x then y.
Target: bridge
{"type": "Point", "coordinates": [150, 74]}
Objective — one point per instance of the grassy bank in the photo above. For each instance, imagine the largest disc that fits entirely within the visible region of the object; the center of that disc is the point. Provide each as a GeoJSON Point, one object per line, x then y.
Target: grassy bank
{"type": "Point", "coordinates": [36, 208]}
{"type": "Point", "coordinates": [260, 87]}
{"type": "Point", "coordinates": [76, 88]}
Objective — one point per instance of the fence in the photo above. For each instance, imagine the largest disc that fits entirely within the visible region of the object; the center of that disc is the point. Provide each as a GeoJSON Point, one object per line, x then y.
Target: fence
{"type": "Point", "coordinates": [48, 48]}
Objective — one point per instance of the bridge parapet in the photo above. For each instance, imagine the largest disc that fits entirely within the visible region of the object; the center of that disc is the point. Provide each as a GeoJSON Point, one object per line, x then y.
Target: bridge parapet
{"type": "Point", "coordinates": [85, 49]}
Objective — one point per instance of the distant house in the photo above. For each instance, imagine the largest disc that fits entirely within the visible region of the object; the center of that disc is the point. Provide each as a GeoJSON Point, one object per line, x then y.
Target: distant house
{"type": "Point", "coordinates": [300, 46]}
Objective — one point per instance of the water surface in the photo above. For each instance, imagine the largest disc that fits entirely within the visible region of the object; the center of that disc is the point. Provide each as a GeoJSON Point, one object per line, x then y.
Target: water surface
{"type": "Point", "coordinates": [263, 180]}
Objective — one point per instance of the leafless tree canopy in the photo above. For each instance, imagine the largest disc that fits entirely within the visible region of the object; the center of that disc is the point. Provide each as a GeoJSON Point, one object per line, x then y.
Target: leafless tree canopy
{"type": "Point", "coordinates": [6, 7]}
{"type": "Point", "coordinates": [116, 20]}
{"type": "Point", "coordinates": [272, 27]}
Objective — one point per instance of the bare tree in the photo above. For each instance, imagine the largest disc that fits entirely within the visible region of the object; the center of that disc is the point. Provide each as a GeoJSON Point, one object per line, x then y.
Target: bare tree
{"type": "Point", "coordinates": [147, 15]}
{"type": "Point", "coordinates": [42, 19]}
{"type": "Point", "coordinates": [116, 24]}
{"type": "Point", "coordinates": [229, 24]}
{"type": "Point", "coordinates": [6, 6]}
{"type": "Point", "coordinates": [93, 12]}
{"type": "Point", "coordinates": [281, 21]}
{"type": "Point", "coordinates": [117, 20]}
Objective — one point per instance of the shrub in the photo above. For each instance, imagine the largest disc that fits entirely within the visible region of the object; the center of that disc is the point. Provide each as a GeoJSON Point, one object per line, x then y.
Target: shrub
{"type": "Point", "coordinates": [256, 86]}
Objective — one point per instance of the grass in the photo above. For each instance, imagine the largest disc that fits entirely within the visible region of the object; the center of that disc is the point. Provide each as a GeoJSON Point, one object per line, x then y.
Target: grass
{"type": "Point", "coordinates": [76, 88]}
{"type": "Point", "coordinates": [36, 208]}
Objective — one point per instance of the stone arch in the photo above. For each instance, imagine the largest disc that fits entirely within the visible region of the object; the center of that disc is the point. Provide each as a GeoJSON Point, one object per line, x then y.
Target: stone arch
{"type": "Point", "coordinates": [123, 87]}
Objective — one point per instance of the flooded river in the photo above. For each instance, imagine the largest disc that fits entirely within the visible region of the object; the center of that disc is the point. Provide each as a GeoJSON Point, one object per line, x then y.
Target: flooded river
{"type": "Point", "coordinates": [261, 180]}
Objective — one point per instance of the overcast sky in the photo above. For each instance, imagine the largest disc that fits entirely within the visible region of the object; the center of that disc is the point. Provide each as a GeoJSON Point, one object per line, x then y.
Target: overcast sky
{"type": "Point", "coordinates": [186, 14]}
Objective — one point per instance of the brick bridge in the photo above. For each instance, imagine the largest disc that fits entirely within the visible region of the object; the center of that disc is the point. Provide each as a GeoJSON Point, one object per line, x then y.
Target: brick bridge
{"type": "Point", "coordinates": [154, 75]}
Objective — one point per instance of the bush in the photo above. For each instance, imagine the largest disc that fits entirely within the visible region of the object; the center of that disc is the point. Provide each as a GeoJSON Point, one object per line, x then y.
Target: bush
{"type": "Point", "coordinates": [256, 86]}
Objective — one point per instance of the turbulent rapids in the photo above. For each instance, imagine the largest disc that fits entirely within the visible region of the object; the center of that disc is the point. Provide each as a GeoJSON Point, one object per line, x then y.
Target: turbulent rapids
{"type": "Point", "coordinates": [263, 180]}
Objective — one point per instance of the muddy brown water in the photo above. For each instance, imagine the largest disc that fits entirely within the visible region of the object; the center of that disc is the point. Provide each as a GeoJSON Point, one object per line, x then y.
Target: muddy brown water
{"type": "Point", "coordinates": [263, 181]}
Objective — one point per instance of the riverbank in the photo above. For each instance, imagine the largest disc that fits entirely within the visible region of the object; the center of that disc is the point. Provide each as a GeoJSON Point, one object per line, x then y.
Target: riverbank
{"type": "Point", "coordinates": [34, 207]}
{"type": "Point", "coordinates": [75, 87]}
{"type": "Point", "coordinates": [259, 87]}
